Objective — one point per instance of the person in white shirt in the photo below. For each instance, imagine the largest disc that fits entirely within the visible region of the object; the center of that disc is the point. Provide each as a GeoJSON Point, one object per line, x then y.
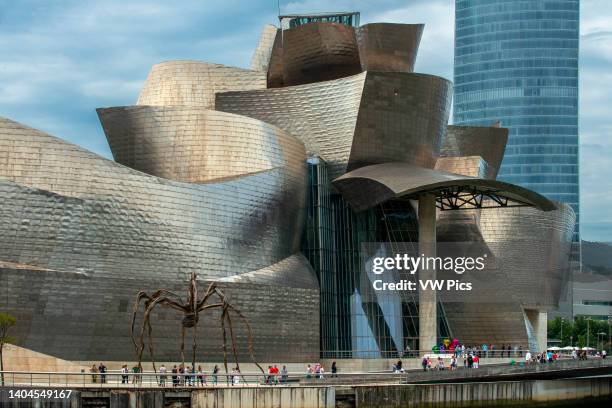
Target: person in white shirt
{"type": "Point", "coordinates": [528, 357]}
{"type": "Point", "coordinates": [162, 376]}
{"type": "Point", "coordinates": [124, 374]}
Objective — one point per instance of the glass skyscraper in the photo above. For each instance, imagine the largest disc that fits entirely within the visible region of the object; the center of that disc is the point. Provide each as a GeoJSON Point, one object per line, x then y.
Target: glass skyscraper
{"type": "Point", "coordinates": [516, 61]}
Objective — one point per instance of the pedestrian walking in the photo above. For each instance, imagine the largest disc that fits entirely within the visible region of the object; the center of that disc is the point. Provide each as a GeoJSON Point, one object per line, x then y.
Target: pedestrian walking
{"type": "Point", "coordinates": [309, 371]}
{"type": "Point", "coordinates": [175, 380]}
{"type": "Point", "coordinates": [94, 373]}
{"type": "Point", "coordinates": [102, 371]}
{"type": "Point", "coordinates": [284, 375]}
{"type": "Point", "coordinates": [162, 375]}
{"type": "Point", "coordinates": [201, 377]}
{"type": "Point", "coordinates": [124, 374]}
{"type": "Point", "coordinates": [215, 374]}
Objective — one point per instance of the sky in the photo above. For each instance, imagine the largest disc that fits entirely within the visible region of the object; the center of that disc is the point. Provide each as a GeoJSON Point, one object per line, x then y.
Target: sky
{"type": "Point", "coordinates": [59, 60]}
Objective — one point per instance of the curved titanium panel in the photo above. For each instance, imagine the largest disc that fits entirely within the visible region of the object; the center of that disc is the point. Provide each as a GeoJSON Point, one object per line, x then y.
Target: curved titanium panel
{"type": "Point", "coordinates": [261, 57]}
{"type": "Point", "coordinates": [487, 142]}
{"type": "Point", "coordinates": [402, 118]}
{"type": "Point", "coordinates": [83, 212]}
{"type": "Point", "coordinates": [81, 317]}
{"type": "Point", "coordinates": [369, 118]}
{"type": "Point", "coordinates": [473, 166]}
{"type": "Point", "coordinates": [319, 52]}
{"type": "Point", "coordinates": [275, 66]}
{"type": "Point", "coordinates": [533, 247]}
{"type": "Point", "coordinates": [294, 271]}
{"type": "Point", "coordinates": [196, 145]}
{"type": "Point", "coordinates": [323, 114]}
{"type": "Point", "coordinates": [394, 180]}
{"type": "Point", "coordinates": [194, 83]}
{"type": "Point", "coordinates": [388, 47]}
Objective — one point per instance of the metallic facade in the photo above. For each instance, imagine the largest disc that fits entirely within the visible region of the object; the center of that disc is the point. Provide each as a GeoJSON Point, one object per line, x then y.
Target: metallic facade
{"type": "Point", "coordinates": [388, 47]}
{"type": "Point", "coordinates": [389, 181]}
{"type": "Point", "coordinates": [368, 118]}
{"type": "Point", "coordinates": [325, 49]}
{"type": "Point", "coordinates": [89, 219]}
{"type": "Point", "coordinates": [269, 181]}
{"type": "Point", "coordinates": [318, 52]}
{"type": "Point", "coordinates": [194, 83]}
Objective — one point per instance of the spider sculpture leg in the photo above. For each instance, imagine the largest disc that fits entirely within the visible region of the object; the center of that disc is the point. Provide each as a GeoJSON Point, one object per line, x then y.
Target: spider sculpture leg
{"type": "Point", "coordinates": [232, 336]}
{"type": "Point", "coordinates": [249, 336]}
{"type": "Point", "coordinates": [150, 303]}
{"type": "Point", "coordinates": [224, 341]}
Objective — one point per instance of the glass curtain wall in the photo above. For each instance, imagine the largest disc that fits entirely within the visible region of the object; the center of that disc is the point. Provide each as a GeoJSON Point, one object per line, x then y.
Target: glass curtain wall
{"type": "Point", "coordinates": [516, 61]}
{"type": "Point", "coordinates": [356, 321]}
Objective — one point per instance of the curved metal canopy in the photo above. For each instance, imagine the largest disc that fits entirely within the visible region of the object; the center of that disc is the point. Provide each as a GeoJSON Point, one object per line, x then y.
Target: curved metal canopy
{"type": "Point", "coordinates": [369, 186]}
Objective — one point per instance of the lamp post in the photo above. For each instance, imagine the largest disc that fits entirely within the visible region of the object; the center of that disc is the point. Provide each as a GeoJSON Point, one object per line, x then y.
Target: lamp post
{"type": "Point", "coordinates": [562, 320]}
{"type": "Point", "coordinates": [609, 326]}
{"type": "Point", "coordinates": [602, 334]}
{"type": "Point", "coordinates": [588, 329]}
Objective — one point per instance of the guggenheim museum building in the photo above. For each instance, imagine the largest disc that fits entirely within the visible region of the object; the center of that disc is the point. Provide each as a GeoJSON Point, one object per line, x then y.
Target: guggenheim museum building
{"type": "Point", "coordinates": [276, 182]}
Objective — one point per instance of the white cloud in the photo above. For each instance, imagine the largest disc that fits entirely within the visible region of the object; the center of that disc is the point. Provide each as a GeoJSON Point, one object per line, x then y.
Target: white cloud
{"type": "Point", "coordinates": [595, 119]}
{"type": "Point", "coordinates": [437, 44]}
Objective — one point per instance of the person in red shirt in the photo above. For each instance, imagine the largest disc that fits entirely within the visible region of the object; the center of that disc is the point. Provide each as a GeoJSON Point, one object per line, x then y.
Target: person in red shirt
{"type": "Point", "coordinates": [275, 375]}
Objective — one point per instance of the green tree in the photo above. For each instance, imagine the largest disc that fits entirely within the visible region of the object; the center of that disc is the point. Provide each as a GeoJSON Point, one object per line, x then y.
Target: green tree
{"type": "Point", "coordinates": [580, 331]}
{"type": "Point", "coordinates": [6, 322]}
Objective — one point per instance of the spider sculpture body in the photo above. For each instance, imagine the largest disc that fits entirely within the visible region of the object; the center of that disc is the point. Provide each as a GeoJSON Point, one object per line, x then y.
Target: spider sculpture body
{"type": "Point", "coordinates": [213, 299]}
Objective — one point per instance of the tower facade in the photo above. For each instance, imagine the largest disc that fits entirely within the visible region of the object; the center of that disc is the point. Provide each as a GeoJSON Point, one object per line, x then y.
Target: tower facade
{"type": "Point", "coordinates": [517, 62]}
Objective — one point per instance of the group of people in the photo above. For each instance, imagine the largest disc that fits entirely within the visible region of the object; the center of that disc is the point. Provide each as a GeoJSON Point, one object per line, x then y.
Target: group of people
{"type": "Point", "coordinates": [186, 376]}
{"type": "Point", "coordinates": [470, 360]}
{"type": "Point", "coordinates": [487, 350]}
{"type": "Point", "coordinates": [180, 375]}
{"type": "Point", "coordinates": [98, 372]}
{"type": "Point", "coordinates": [317, 371]}
{"type": "Point", "coordinates": [136, 378]}
{"type": "Point", "coordinates": [273, 375]}
{"type": "Point", "coordinates": [543, 357]}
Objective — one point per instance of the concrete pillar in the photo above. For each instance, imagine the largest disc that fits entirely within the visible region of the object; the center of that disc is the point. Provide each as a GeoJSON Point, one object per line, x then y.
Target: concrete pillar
{"type": "Point", "coordinates": [539, 322]}
{"type": "Point", "coordinates": [428, 299]}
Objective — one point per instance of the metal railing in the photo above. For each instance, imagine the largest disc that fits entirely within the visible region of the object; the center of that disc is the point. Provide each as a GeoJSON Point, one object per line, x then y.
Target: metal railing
{"type": "Point", "coordinates": [374, 354]}
{"type": "Point", "coordinates": [117, 379]}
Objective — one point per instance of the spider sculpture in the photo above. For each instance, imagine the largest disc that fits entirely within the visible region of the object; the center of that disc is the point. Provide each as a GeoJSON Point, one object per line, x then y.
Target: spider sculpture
{"type": "Point", "coordinates": [191, 309]}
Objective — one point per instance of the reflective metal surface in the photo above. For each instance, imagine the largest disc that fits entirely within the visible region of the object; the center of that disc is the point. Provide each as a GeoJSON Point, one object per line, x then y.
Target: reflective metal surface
{"type": "Point", "coordinates": [261, 57]}
{"type": "Point", "coordinates": [388, 47]}
{"type": "Point", "coordinates": [109, 231]}
{"type": "Point", "coordinates": [195, 145]}
{"type": "Point", "coordinates": [487, 142]}
{"type": "Point", "coordinates": [395, 180]}
{"type": "Point", "coordinates": [322, 51]}
{"type": "Point", "coordinates": [194, 83]}
{"type": "Point", "coordinates": [319, 52]}
{"type": "Point", "coordinates": [323, 115]}
{"type": "Point", "coordinates": [373, 117]}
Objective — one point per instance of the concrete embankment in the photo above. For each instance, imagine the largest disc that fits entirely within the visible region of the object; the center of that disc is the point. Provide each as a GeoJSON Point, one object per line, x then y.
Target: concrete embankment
{"type": "Point", "coordinates": [230, 397]}
{"type": "Point", "coordinates": [487, 394]}
{"type": "Point", "coordinates": [594, 391]}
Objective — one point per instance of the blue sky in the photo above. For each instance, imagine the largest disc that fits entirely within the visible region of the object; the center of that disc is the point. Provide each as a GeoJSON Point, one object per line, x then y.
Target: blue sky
{"type": "Point", "coordinates": [59, 60]}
